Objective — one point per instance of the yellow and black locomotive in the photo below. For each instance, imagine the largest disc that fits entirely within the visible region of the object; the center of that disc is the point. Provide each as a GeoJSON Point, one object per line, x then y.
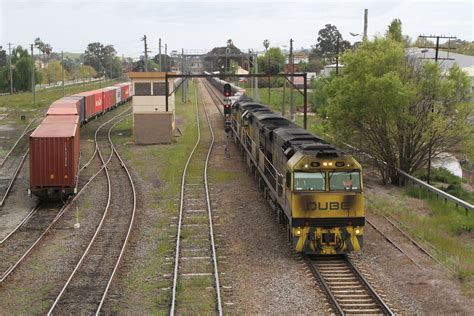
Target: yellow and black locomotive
{"type": "Point", "coordinates": [315, 189]}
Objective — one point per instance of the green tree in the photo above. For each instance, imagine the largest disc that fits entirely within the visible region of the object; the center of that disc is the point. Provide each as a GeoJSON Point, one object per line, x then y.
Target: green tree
{"type": "Point", "coordinates": [100, 57]}
{"type": "Point", "coordinates": [272, 62]}
{"type": "Point", "coordinates": [329, 42]}
{"type": "Point", "coordinates": [117, 68]}
{"type": "Point", "coordinates": [314, 65]}
{"type": "Point", "coordinates": [233, 67]}
{"type": "Point", "coordinates": [3, 57]}
{"type": "Point", "coordinates": [319, 96]}
{"type": "Point", "coordinates": [394, 31]}
{"type": "Point", "coordinates": [4, 79]}
{"type": "Point", "coordinates": [83, 72]}
{"type": "Point", "coordinates": [53, 72]}
{"type": "Point", "coordinates": [396, 107]}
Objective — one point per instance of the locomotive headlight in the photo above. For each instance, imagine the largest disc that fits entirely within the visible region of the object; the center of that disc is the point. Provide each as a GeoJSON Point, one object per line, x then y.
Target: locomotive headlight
{"type": "Point", "coordinates": [298, 232]}
{"type": "Point", "coordinates": [358, 231]}
{"type": "Point", "coordinates": [306, 166]}
{"type": "Point", "coordinates": [325, 164]}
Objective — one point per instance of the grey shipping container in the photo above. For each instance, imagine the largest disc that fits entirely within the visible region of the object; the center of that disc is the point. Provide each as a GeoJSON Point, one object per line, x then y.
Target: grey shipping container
{"type": "Point", "coordinates": [82, 112]}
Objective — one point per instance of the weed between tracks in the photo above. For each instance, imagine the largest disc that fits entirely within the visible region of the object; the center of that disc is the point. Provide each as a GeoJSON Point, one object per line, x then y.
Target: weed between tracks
{"type": "Point", "coordinates": [446, 228]}
{"type": "Point", "coordinates": [159, 168]}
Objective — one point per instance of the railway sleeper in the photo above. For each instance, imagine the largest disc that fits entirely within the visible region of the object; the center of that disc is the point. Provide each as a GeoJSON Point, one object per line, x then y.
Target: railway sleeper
{"type": "Point", "coordinates": [351, 301]}
{"type": "Point", "coordinates": [363, 311]}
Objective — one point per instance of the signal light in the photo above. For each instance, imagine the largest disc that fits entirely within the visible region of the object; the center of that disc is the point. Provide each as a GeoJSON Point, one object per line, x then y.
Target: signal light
{"type": "Point", "coordinates": [227, 90]}
{"type": "Point", "coordinates": [227, 109]}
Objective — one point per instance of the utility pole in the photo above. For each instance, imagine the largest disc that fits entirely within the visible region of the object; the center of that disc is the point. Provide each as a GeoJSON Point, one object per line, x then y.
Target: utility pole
{"type": "Point", "coordinates": [183, 98]}
{"type": "Point", "coordinates": [257, 95]}
{"type": "Point", "coordinates": [292, 69]}
{"type": "Point", "coordinates": [337, 54]}
{"type": "Point", "coordinates": [33, 75]}
{"type": "Point", "coordinates": [436, 58]}
{"type": "Point", "coordinates": [159, 53]}
{"type": "Point", "coordinates": [366, 22]}
{"type": "Point", "coordinates": [166, 55]}
{"type": "Point", "coordinates": [146, 53]}
{"type": "Point", "coordinates": [62, 68]}
{"type": "Point", "coordinates": [10, 62]}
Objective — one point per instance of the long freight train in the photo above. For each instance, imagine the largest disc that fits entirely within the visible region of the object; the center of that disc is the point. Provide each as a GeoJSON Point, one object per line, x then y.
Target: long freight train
{"type": "Point", "coordinates": [55, 144]}
{"type": "Point", "coordinates": [315, 188]}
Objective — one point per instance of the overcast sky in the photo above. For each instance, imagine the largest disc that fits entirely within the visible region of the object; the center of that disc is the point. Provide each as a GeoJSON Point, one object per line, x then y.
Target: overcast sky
{"type": "Point", "coordinates": [71, 25]}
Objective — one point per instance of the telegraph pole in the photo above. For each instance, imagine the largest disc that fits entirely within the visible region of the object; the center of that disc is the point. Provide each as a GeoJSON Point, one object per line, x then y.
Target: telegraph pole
{"type": "Point", "coordinates": [62, 68]}
{"type": "Point", "coordinates": [10, 62]}
{"type": "Point", "coordinates": [436, 58]}
{"type": "Point", "coordinates": [183, 98]}
{"type": "Point", "coordinates": [366, 21]}
{"type": "Point", "coordinates": [337, 54]}
{"type": "Point", "coordinates": [159, 53]}
{"type": "Point", "coordinates": [291, 77]}
{"type": "Point", "coordinates": [146, 53]}
{"type": "Point", "coordinates": [166, 54]}
{"type": "Point", "coordinates": [33, 75]}
{"type": "Point", "coordinates": [257, 95]}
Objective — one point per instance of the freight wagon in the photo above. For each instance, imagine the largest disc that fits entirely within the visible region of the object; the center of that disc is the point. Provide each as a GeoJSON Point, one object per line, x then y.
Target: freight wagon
{"type": "Point", "coordinates": [109, 95]}
{"type": "Point", "coordinates": [54, 157]}
{"type": "Point", "coordinates": [93, 103]}
{"type": "Point", "coordinates": [63, 109]}
{"type": "Point", "coordinates": [124, 92]}
{"type": "Point", "coordinates": [81, 101]}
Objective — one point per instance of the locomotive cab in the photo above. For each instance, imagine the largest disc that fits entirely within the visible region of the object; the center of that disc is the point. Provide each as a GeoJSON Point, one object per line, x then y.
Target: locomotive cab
{"type": "Point", "coordinates": [326, 202]}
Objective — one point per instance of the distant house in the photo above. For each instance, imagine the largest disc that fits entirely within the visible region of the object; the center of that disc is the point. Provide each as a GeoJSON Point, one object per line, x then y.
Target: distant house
{"type": "Point", "coordinates": [328, 69]}
{"type": "Point", "coordinates": [470, 73]}
{"type": "Point", "coordinates": [298, 57]}
{"type": "Point", "coordinates": [429, 54]}
{"type": "Point", "coordinates": [299, 81]}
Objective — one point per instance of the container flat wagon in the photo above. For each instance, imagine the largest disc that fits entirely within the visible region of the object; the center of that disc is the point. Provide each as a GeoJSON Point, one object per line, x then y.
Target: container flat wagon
{"type": "Point", "coordinates": [54, 157]}
{"type": "Point", "coordinates": [125, 92]}
{"type": "Point", "coordinates": [81, 102]}
{"type": "Point", "coordinates": [93, 103]}
{"type": "Point", "coordinates": [109, 100]}
{"type": "Point", "coordinates": [63, 109]}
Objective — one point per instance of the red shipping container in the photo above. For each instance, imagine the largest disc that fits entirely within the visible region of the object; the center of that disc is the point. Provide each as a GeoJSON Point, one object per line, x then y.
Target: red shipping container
{"type": "Point", "coordinates": [125, 92]}
{"type": "Point", "coordinates": [109, 95]}
{"type": "Point", "coordinates": [94, 102]}
{"type": "Point", "coordinates": [54, 156]}
{"type": "Point", "coordinates": [63, 109]}
{"type": "Point", "coordinates": [55, 119]}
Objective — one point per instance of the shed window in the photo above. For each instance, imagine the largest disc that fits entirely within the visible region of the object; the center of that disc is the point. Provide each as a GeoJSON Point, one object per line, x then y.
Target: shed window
{"type": "Point", "coordinates": [142, 88]}
{"type": "Point", "coordinates": [159, 88]}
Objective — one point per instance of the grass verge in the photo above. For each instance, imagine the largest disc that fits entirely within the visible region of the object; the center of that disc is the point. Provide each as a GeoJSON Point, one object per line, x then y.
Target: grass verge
{"type": "Point", "coordinates": [443, 228]}
{"type": "Point", "coordinates": [159, 168]}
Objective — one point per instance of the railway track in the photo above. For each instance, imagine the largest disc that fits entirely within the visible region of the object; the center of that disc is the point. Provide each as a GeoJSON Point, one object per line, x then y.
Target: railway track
{"type": "Point", "coordinates": [196, 286]}
{"type": "Point", "coordinates": [347, 289]}
{"type": "Point", "coordinates": [29, 233]}
{"type": "Point", "coordinates": [13, 162]}
{"type": "Point", "coordinates": [85, 290]}
{"type": "Point", "coordinates": [16, 246]}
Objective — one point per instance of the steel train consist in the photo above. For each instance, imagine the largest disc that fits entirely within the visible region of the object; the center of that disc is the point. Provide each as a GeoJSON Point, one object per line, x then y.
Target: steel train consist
{"type": "Point", "coordinates": [54, 146]}
{"type": "Point", "coordinates": [315, 188]}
